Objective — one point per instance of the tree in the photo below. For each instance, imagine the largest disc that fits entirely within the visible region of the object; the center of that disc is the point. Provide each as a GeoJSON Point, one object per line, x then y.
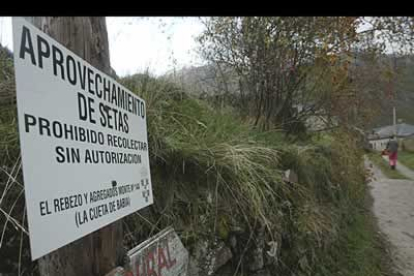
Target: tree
{"type": "Point", "coordinates": [273, 57]}
{"type": "Point", "coordinates": [291, 68]}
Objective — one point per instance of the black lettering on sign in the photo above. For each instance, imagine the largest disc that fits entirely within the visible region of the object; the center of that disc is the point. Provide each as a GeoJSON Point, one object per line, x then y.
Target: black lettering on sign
{"type": "Point", "coordinates": [98, 91]}
{"type": "Point", "coordinates": [126, 126]}
{"type": "Point", "coordinates": [82, 107]}
{"type": "Point", "coordinates": [26, 45]}
{"type": "Point", "coordinates": [29, 120]}
{"type": "Point", "coordinates": [44, 208]}
{"type": "Point", "coordinates": [85, 108]}
{"type": "Point", "coordinates": [107, 89]}
{"type": "Point", "coordinates": [58, 61]}
{"type": "Point", "coordinates": [67, 155]}
{"type": "Point", "coordinates": [67, 67]}
{"type": "Point", "coordinates": [82, 75]}
{"type": "Point", "coordinates": [123, 202]}
{"type": "Point", "coordinates": [83, 218]}
{"type": "Point", "coordinates": [114, 99]}
{"type": "Point", "coordinates": [71, 70]}
{"type": "Point", "coordinates": [113, 118]}
{"type": "Point", "coordinates": [44, 125]}
{"type": "Point", "coordinates": [142, 110]}
{"type": "Point", "coordinates": [98, 211]}
{"type": "Point", "coordinates": [43, 50]}
{"type": "Point", "coordinates": [57, 129]}
{"type": "Point", "coordinates": [90, 81]}
{"type": "Point", "coordinates": [102, 109]}
{"type": "Point", "coordinates": [67, 202]}
{"type": "Point", "coordinates": [61, 154]}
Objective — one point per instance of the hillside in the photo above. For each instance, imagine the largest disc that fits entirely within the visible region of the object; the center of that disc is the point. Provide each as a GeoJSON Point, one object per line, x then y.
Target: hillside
{"type": "Point", "coordinates": [204, 80]}
{"type": "Point", "coordinates": [211, 81]}
{"type": "Point", "coordinates": [218, 181]}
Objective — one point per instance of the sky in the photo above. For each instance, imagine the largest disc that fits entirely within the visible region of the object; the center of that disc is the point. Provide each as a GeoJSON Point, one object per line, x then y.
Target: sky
{"type": "Point", "coordinates": [158, 44]}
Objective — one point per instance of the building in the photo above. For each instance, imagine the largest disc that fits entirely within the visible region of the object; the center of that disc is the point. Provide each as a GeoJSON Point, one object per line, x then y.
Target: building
{"type": "Point", "coordinates": [408, 143]}
{"type": "Point", "coordinates": [379, 137]}
{"type": "Point", "coordinates": [316, 120]}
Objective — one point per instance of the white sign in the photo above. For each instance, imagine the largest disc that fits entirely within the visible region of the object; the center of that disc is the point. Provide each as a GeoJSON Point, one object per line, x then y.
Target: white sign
{"type": "Point", "coordinates": [161, 255]}
{"type": "Point", "coordinates": [83, 139]}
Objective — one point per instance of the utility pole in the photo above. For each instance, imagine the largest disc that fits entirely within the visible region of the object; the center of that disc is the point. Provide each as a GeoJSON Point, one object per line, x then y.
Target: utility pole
{"type": "Point", "coordinates": [394, 112]}
{"type": "Point", "coordinates": [394, 119]}
{"type": "Point", "coordinates": [391, 95]}
{"type": "Point", "coordinates": [101, 251]}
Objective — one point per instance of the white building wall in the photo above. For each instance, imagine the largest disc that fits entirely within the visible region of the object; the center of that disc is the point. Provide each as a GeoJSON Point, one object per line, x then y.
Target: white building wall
{"type": "Point", "coordinates": [379, 144]}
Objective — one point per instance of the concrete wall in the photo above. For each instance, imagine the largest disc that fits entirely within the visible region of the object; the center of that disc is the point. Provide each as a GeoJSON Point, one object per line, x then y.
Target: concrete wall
{"type": "Point", "coordinates": [379, 144]}
{"type": "Point", "coordinates": [406, 144]}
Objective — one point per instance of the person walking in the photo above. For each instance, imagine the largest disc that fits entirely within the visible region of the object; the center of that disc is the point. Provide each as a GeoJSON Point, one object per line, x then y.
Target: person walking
{"type": "Point", "coordinates": [392, 149]}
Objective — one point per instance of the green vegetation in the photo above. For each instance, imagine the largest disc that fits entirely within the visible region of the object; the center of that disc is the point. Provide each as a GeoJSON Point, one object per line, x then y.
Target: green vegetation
{"type": "Point", "coordinates": [218, 172]}
{"type": "Point", "coordinates": [14, 241]}
{"type": "Point", "coordinates": [406, 158]}
{"type": "Point", "coordinates": [383, 165]}
{"type": "Point", "coordinates": [217, 177]}
{"type": "Point", "coordinates": [360, 250]}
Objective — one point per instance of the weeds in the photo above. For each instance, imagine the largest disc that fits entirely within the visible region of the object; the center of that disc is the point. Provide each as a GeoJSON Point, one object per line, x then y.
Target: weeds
{"type": "Point", "coordinates": [377, 159]}
{"type": "Point", "coordinates": [407, 159]}
{"type": "Point", "coordinates": [215, 175]}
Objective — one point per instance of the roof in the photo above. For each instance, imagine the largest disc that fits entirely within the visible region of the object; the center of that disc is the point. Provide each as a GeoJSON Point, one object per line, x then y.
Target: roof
{"type": "Point", "coordinates": [403, 130]}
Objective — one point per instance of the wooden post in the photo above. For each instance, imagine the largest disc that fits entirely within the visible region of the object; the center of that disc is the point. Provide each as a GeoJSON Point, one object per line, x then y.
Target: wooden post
{"type": "Point", "coordinates": [100, 252]}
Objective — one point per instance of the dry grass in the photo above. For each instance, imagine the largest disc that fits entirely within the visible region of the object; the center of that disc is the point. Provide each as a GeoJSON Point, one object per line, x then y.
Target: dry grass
{"type": "Point", "coordinates": [407, 158]}
{"type": "Point", "coordinates": [213, 176]}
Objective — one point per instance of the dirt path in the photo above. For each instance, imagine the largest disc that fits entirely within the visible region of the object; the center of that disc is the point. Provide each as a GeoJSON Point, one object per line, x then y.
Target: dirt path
{"type": "Point", "coordinates": [394, 208]}
{"type": "Point", "coordinates": [403, 169]}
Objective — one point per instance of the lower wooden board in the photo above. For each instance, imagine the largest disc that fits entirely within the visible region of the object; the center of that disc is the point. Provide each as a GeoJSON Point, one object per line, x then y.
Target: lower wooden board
{"type": "Point", "coordinates": [119, 271]}
{"type": "Point", "coordinates": [161, 255]}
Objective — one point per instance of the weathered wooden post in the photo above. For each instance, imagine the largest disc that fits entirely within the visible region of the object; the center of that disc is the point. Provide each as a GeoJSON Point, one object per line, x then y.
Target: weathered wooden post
{"type": "Point", "coordinates": [101, 251]}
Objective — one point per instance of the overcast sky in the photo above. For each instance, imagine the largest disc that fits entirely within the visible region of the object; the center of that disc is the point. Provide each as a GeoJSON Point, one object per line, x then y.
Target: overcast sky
{"type": "Point", "coordinates": [137, 43]}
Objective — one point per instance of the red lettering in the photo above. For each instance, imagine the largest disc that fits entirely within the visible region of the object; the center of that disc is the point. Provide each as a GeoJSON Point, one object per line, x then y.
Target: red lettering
{"type": "Point", "coordinates": [150, 269]}
{"type": "Point", "coordinates": [138, 263]}
{"type": "Point", "coordinates": [162, 261]}
{"type": "Point", "coordinates": [171, 262]}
